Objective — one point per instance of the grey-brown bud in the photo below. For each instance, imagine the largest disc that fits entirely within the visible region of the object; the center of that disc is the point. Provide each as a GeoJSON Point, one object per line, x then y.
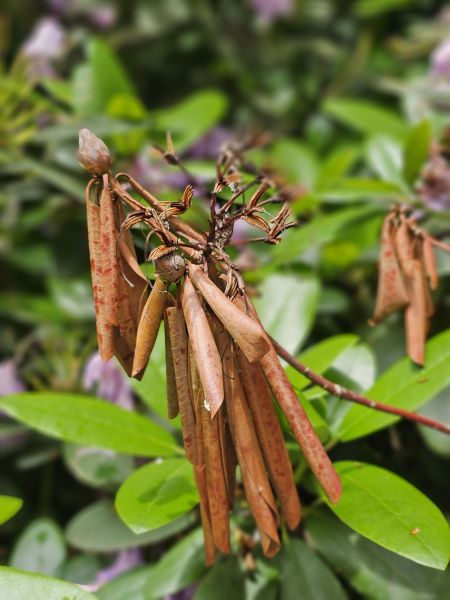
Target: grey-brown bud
{"type": "Point", "coordinates": [93, 153]}
{"type": "Point", "coordinates": [170, 267]}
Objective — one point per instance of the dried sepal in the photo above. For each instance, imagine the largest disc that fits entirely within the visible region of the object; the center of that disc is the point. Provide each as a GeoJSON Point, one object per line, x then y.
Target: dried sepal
{"type": "Point", "coordinates": [171, 387]}
{"type": "Point", "coordinates": [416, 314]}
{"type": "Point", "coordinates": [110, 267]}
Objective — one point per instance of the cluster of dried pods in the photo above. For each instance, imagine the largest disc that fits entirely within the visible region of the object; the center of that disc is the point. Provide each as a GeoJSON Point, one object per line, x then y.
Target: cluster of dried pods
{"type": "Point", "coordinates": [223, 372]}
{"type": "Point", "coordinates": [407, 276]}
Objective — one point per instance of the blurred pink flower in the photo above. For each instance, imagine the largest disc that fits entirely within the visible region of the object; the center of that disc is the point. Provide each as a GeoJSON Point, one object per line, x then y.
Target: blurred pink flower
{"type": "Point", "coordinates": [46, 40]}
{"type": "Point", "coordinates": [10, 382]}
{"type": "Point", "coordinates": [440, 61]}
{"type": "Point", "coordinates": [269, 10]}
{"type": "Point", "coordinates": [108, 381]}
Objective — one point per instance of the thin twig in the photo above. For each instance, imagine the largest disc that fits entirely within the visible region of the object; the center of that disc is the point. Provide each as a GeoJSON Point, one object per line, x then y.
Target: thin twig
{"type": "Point", "coordinates": [346, 394]}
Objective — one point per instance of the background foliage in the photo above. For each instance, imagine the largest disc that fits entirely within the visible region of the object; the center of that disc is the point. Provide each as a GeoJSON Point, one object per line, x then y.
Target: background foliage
{"type": "Point", "coordinates": [352, 94]}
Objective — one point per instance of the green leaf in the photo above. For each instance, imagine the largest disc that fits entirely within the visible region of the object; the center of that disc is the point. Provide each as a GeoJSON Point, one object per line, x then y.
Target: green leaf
{"type": "Point", "coordinates": [351, 189]}
{"type": "Point", "coordinates": [357, 366]}
{"type": "Point", "coordinates": [287, 307]}
{"type": "Point", "coordinates": [295, 161]}
{"type": "Point", "coordinates": [303, 573]}
{"type": "Point", "coordinates": [130, 585]}
{"type": "Point", "coordinates": [392, 513]}
{"type": "Point", "coordinates": [336, 165]}
{"type": "Point", "coordinates": [384, 156]}
{"type": "Point", "coordinates": [374, 8]}
{"type": "Point", "coordinates": [98, 468]}
{"type": "Point", "coordinates": [98, 528]}
{"type": "Point", "coordinates": [403, 385]}
{"type": "Point", "coordinates": [439, 409]}
{"type": "Point", "coordinates": [365, 117]}
{"type": "Point", "coordinates": [20, 585]}
{"type": "Point", "coordinates": [416, 150]}
{"type": "Point", "coordinates": [9, 506]}
{"type": "Point", "coordinates": [372, 571]}
{"type": "Point", "coordinates": [40, 548]}
{"type": "Point", "coordinates": [321, 230]}
{"type": "Point", "coordinates": [191, 118]}
{"type": "Point", "coordinates": [212, 585]}
{"type": "Point", "coordinates": [96, 84]}
{"type": "Point", "coordinates": [320, 356]}
{"type": "Point", "coordinates": [157, 494]}
{"type": "Point", "coordinates": [89, 421]}
{"type": "Point", "coordinates": [183, 564]}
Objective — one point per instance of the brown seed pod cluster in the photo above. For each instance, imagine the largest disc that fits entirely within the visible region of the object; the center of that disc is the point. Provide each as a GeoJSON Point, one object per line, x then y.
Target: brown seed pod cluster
{"type": "Point", "coordinates": [223, 373]}
{"type": "Point", "coordinates": [407, 276]}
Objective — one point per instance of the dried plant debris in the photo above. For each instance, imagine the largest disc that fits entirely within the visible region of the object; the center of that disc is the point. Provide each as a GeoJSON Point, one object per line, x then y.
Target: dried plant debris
{"type": "Point", "coordinates": [223, 373]}
{"type": "Point", "coordinates": [407, 277]}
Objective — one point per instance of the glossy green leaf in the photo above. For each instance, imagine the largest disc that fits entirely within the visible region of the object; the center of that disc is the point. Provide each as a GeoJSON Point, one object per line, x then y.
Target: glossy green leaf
{"type": "Point", "coordinates": [392, 513]}
{"type": "Point", "coordinates": [303, 573]}
{"type": "Point", "coordinates": [183, 564]}
{"type": "Point", "coordinates": [99, 468]}
{"type": "Point", "coordinates": [320, 356]}
{"type": "Point", "coordinates": [103, 78]}
{"type": "Point", "coordinates": [157, 494]}
{"type": "Point", "coordinates": [403, 385]}
{"type": "Point", "coordinates": [98, 528]}
{"type": "Point", "coordinates": [416, 150]}
{"type": "Point", "coordinates": [295, 161]}
{"type": "Point", "coordinates": [20, 585]}
{"type": "Point", "coordinates": [131, 584]}
{"type": "Point", "coordinates": [336, 165]}
{"type": "Point", "coordinates": [9, 506]}
{"type": "Point", "coordinates": [372, 571]}
{"type": "Point", "coordinates": [357, 366]}
{"type": "Point", "coordinates": [40, 548]}
{"type": "Point", "coordinates": [365, 116]}
{"type": "Point", "coordinates": [352, 189]}
{"type": "Point", "coordinates": [89, 421]}
{"type": "Point", "coordinates": [384, 157]}
{"type": "Point", "coordinates": [439, 409]}
{"type": "Point", "coordinates": [193, 117]}
{"type": "Point", "coordinates": [321, 230]}
{"type": "Point", "coordinates": [213, 585]}
{"type": "Point", "coordinates": [81, 569]}
{"type": "Point", "coordinates": [287, 306]}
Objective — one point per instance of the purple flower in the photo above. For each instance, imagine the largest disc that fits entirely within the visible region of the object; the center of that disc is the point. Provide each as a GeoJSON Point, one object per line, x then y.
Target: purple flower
{"type": "Point", "coordinates": [108, 381]}
{"type": "Point", "coordinates": [46, 40]}
{"type": "Point", "coordinates": [440, 61]}
{"type": "Point", "coordinates": [9, 378]}
{"type": "Point", "coordinates": [209, 144]}
{"type": "Point", "coordinates": [269, 10]}
{"type": "Point", "coordinates": [124, 561]}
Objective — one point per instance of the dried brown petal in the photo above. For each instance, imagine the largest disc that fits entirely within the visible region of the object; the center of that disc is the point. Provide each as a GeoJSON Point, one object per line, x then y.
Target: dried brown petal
{"type": "Point", "coordinates": [416, 314]}
{"type": "Point", "coordinates": [172, 395]}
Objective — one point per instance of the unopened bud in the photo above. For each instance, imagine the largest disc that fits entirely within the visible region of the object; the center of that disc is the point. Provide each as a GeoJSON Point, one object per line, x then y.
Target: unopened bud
{"type": "Point", "coordinates": [93, 153]}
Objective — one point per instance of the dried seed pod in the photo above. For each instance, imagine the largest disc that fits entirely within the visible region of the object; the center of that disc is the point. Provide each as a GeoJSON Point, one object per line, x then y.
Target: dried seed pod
{"type": "Point", "coordinates": [270, 436]}
{"type": "Point", "coordinates": [105, 334]}
{"type": "Point", "coordinates": [303, 431]}
{"type": "Point", "coordinates": [429, 261]}
{"type": "Point", "coordinates": [391, 292]}
{"type": "Point", "coordinates": [207, 357]}
{"type": "Point", "coordinates": [247, 333]}
{"type": "Point", "coordinates": [171, 387]}
{"type": "Point", "coordinates": [93, 153]}
{"type": "Point", "coordinates": [169, 265]}
{"type": "Point", "coordinates": [149, 326]}
{"type": "Point", "coordinates": [416, 314]}
{"type": "Point", "coordinates": [404, 243]}
{"type": "Point", "coordinates": [251, 463]}
{"type": "Point", "coordinates": [110, 266]}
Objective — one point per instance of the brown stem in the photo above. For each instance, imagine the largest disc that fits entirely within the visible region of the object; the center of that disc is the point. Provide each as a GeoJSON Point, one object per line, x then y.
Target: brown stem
{"type": "Point", "coordinates": [346, 394]}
